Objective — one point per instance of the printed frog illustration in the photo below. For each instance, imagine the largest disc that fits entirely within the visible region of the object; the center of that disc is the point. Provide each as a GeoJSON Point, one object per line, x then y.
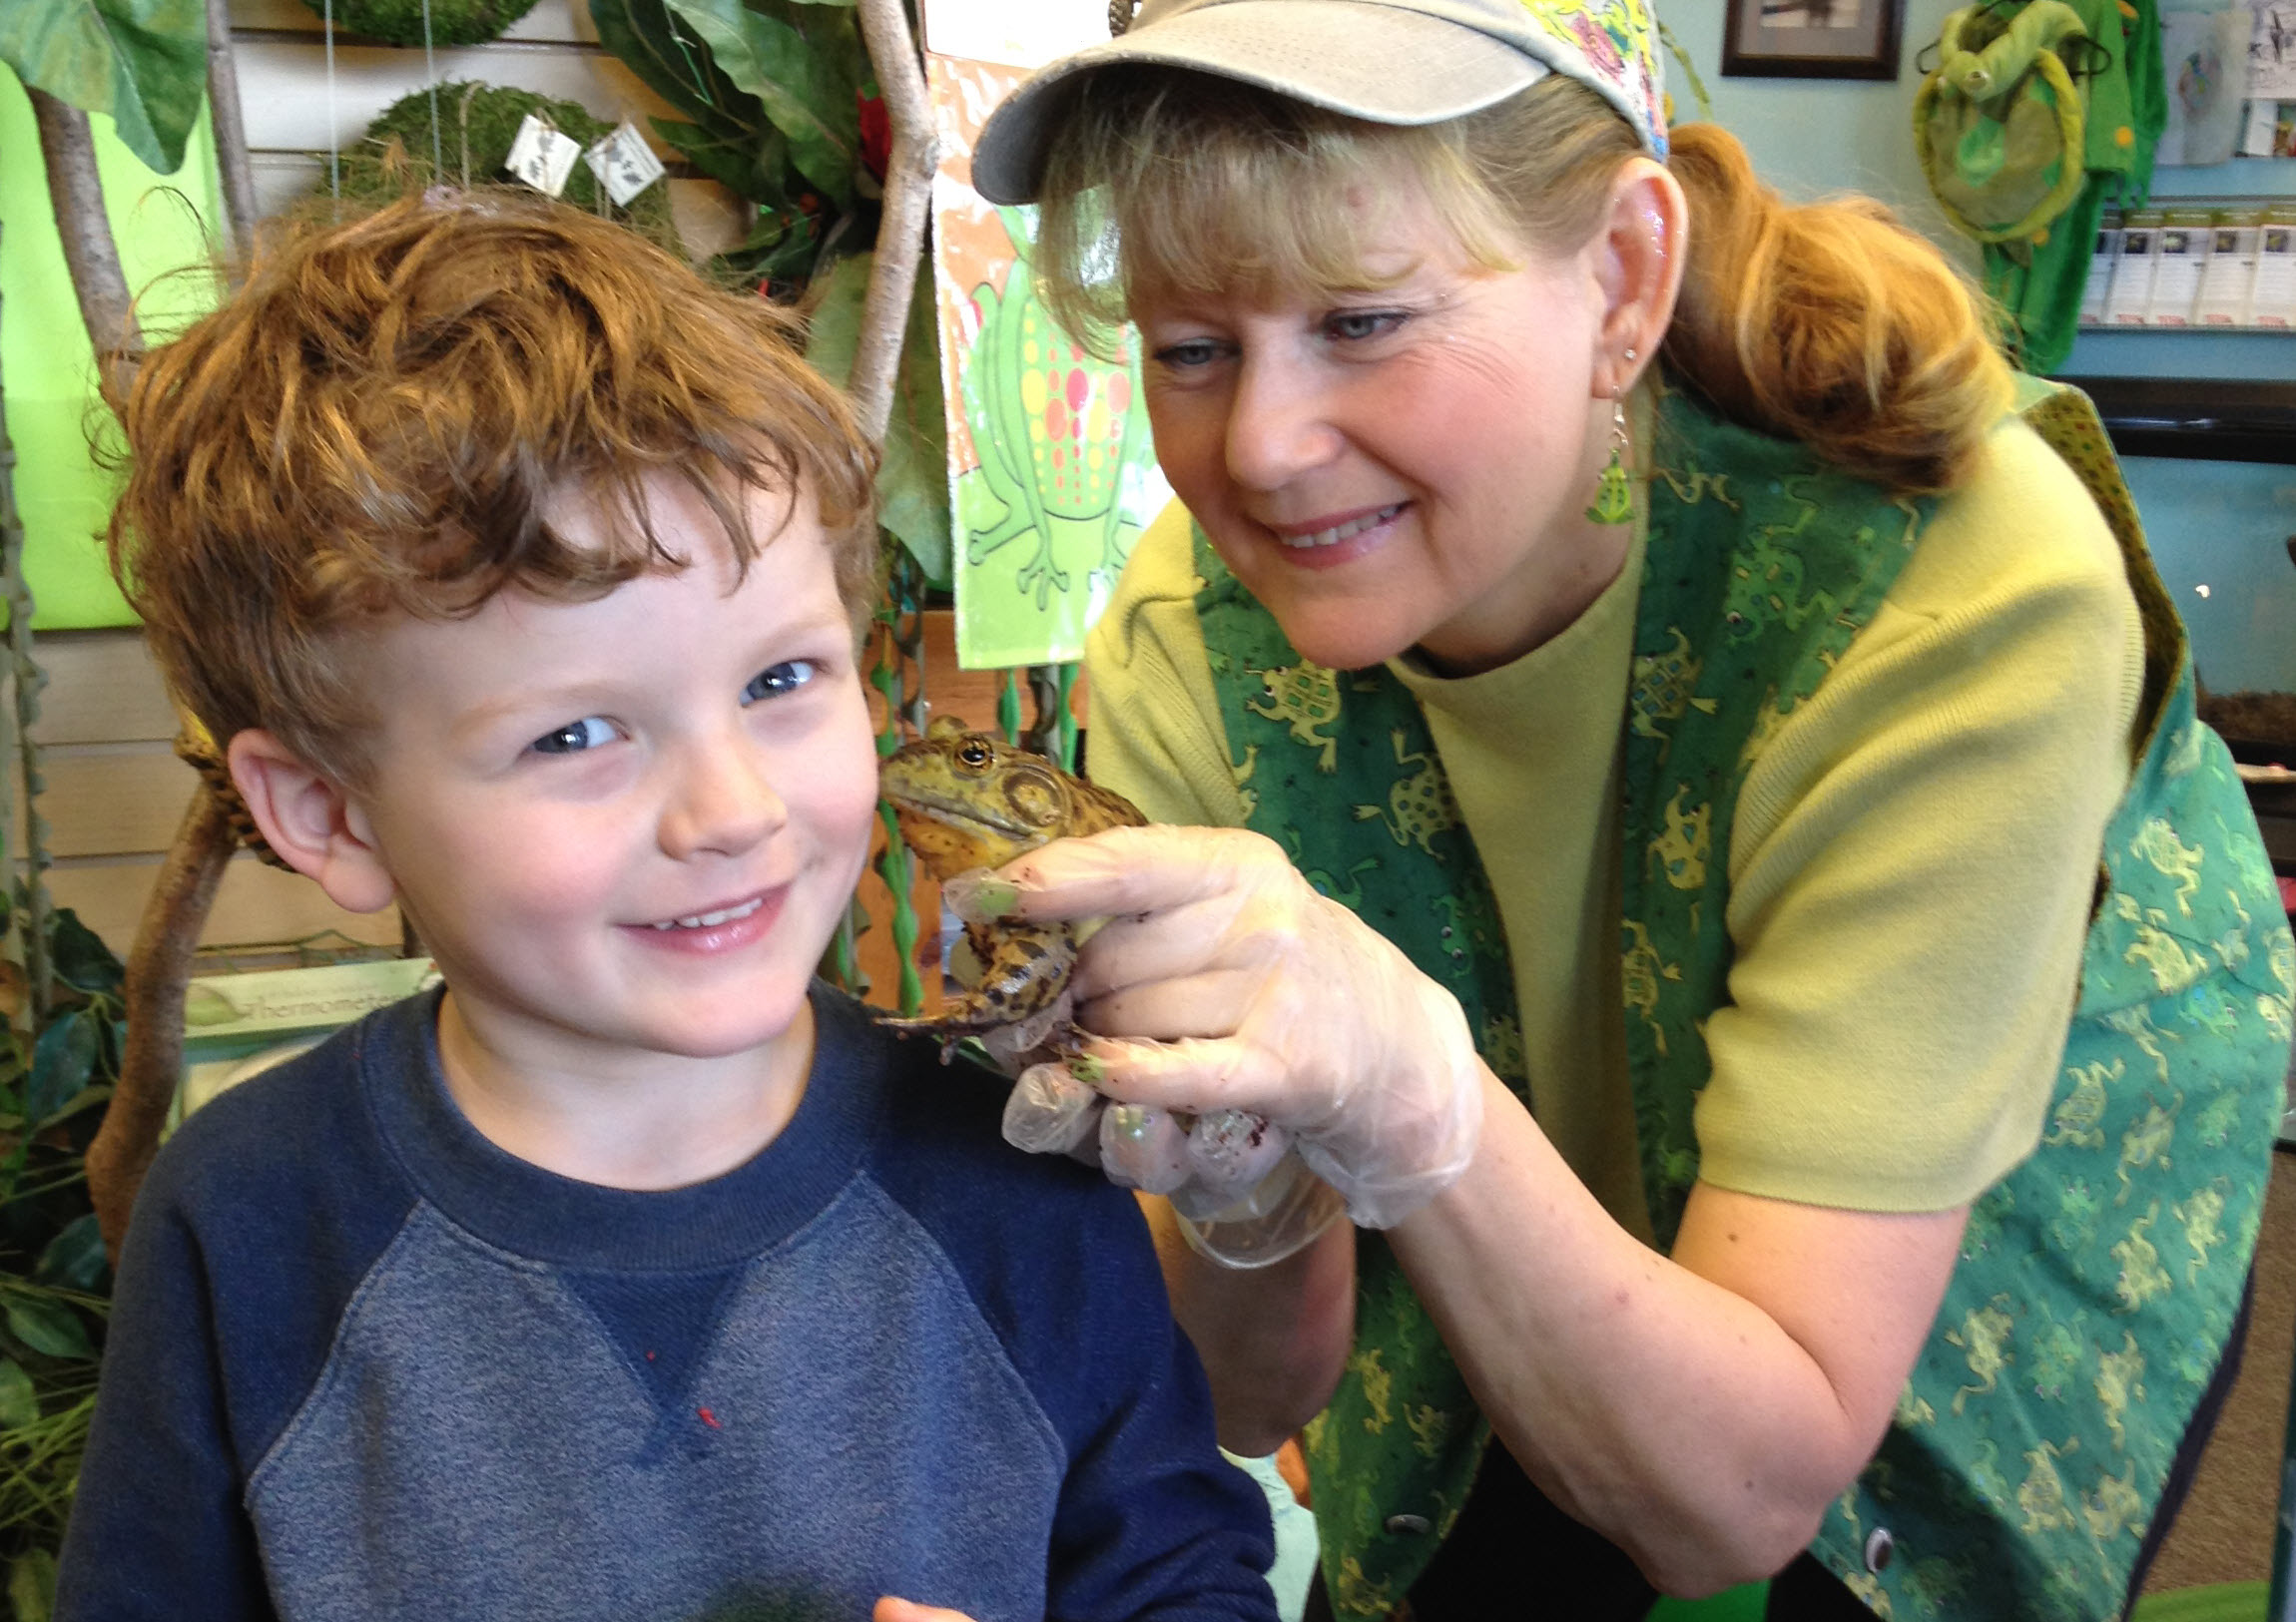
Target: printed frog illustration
{"type": "Point", "coordinates": [1306, 696]}
{"type": "Point", "coordinates": [1060, 437]}
{"type": "Point", "coordinates": [968, 800]}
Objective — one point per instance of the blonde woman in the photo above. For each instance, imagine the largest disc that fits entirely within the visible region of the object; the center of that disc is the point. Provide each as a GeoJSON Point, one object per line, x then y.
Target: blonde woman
{"type": "Point", "coordinates": [1688, 817]}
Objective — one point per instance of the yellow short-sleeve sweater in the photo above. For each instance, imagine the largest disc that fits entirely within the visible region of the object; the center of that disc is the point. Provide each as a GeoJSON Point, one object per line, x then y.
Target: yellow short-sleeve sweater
{"type": "Point", "coordinates": [1911, 863]}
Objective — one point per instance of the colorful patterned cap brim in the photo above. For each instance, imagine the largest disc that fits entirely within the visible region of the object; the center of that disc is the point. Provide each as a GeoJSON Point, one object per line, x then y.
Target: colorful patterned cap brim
{"type": "Point", "coordinates": [1384, 61]}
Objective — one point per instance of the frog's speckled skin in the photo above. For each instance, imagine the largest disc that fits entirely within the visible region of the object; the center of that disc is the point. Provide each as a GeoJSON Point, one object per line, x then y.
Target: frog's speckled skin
{"type": "Point", "coordinates": [967, 800]}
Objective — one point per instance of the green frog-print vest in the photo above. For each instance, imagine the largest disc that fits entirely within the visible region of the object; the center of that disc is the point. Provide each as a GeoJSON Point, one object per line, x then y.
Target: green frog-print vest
{"type": "Point", "coordinates": [2097, 1282]}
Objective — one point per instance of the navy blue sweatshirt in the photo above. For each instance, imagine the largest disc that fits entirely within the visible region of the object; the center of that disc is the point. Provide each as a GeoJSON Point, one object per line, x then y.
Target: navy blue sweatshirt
{"type": "Point", "coordinates": [363, 1363]}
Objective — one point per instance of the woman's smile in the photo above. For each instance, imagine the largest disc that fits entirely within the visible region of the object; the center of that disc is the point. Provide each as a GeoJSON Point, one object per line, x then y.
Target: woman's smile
{"type": "Point", "coordinates": [1406, 466]}
{"type": "Point", "coordinates": [1321, 540]}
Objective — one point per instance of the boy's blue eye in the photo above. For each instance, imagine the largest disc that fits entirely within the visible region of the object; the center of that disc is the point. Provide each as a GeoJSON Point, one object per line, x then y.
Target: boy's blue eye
{"type": "Point", "coordinates": [576, 735]}
{"type": "Point", "coordinates": [775, 679]}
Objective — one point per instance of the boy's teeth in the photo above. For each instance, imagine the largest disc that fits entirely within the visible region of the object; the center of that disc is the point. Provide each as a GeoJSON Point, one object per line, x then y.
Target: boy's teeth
{"type": "Point", "coordinates": [1340, 532]}
{"type": "Point", "coordinates": [710, 921]}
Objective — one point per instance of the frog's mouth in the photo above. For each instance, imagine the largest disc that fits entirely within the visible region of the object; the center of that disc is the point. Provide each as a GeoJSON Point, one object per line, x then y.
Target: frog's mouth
{"type": "Point", "coordinates": [963, 816]}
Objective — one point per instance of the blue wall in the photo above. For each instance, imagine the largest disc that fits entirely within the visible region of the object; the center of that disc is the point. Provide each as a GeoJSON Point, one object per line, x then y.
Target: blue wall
{"type": "Point", "coordinates": [2223, 525]}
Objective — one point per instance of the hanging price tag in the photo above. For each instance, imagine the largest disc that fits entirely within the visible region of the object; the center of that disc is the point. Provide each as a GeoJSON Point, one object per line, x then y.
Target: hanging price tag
{"type": "Point", "coordinates": [624, 164]}
{"type": "Point", "coordinates": [542, 155]}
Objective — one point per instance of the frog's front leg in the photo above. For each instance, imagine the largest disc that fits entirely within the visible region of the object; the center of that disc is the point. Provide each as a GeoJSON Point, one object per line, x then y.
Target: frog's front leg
{"type": "Point", "coordinates": [1015, 998]}
{"type": "Point", "coordinates": [1021, 991]}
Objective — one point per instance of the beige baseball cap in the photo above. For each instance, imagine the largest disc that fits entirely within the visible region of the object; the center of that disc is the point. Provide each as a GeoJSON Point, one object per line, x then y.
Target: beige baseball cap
{"type": "Point", "coordinates": [1384, 61]}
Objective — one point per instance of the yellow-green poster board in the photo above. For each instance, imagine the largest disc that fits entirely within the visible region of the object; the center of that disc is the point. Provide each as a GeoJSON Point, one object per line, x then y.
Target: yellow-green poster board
{"type": "Point", "coordinates": [47, 364]}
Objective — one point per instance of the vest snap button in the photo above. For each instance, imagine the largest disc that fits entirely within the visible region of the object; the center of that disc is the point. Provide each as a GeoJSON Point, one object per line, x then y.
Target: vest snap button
{"type": "Point", "coordinates": [1880, 1546]}
{"type": "Point", "coordinates": [1409, 1525]}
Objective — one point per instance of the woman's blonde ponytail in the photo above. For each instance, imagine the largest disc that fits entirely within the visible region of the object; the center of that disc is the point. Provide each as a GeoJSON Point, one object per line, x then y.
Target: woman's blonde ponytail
{"type": "Point", "coordinates": [1831, 323]}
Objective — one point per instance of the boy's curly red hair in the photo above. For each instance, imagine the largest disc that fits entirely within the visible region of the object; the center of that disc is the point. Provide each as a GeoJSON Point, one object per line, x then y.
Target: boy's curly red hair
{"type": "Point", "coordinates": [378, 421]}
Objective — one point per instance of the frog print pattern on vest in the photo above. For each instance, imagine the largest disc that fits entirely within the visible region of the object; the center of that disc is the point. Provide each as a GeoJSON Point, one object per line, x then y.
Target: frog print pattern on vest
{"type": "Point", "coordinates": [1362, 833]}
{"type": "Point", "coordinates": [2020, 1471]}
{"type": "Point", "coordinates": [2095, 1284]}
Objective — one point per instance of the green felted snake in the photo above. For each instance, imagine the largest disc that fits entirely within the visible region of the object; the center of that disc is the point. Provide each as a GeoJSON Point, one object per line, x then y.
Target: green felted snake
{"type": "Point", "coordinates": [1999, 123]}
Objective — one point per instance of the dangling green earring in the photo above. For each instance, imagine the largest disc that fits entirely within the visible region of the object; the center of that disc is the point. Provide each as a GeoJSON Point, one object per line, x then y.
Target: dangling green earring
{"type": "Point", "coordinates": [1613, 499]}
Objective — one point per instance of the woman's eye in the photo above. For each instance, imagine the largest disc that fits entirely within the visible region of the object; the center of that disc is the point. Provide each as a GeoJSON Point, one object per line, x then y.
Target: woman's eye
{"type": "Point", "coordinates": [1187, 354]}
{"type": "Point", "coordinates": [576, 735]}
{"type": "Point", "coordinates": [775, 679]}
{"type": "Point", "coordinates": [1355, 325]}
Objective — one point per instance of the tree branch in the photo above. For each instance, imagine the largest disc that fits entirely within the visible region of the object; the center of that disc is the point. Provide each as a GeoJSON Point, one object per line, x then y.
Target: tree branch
{"type": "Point", "coordinates": [158, 969]}
{"type": "Point", "coordinates": [893, 55]}
{"type": "Point", "coordinates": [232, 164]}
{"type": "Point", "coordinates": [90, 254]}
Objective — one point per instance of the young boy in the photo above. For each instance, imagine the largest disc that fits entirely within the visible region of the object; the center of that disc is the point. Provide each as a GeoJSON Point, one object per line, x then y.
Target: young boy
{"type": "Point", "coordinates": [633, 1274]}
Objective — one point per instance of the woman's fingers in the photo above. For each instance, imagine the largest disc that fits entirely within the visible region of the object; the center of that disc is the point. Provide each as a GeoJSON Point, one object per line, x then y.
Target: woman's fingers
{"type": "Point", "coordinates": [1050, 1111]}
{"type": "Point", "coordinates": [1212, 1004]}
{"type": "Point", "coordinates": [1132, 870]}
{"type": "Point", "coordinates": [1192, 1076]}
{"type": "Point", "coordinates": [1143, 1147]}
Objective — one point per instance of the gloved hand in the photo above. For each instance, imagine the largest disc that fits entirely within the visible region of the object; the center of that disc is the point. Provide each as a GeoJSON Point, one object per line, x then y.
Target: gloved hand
{"type": "Point", "coordinates": [1243, 1198]}
{"type": "Point", "coordinates": [1223, 982]}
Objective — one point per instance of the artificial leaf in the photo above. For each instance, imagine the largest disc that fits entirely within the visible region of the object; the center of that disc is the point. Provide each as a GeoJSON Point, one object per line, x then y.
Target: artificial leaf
{"type": "Point", "coordinates": [774, 61]}
{"type": "Point", "coordinates": [913, 473]}
{"type": "Point", "coordinates": [791, 259]}
{"type": "Point", "coordinates": [832, 35]}
{"type": "Point", "coordinates": [142, 62]}
{"type": "Point", "coordinates": [736, 164]}
{"type": "Point", "coordinates": [912, 488]}
{"type": "Point", "coordinates": [80, 957]}
{"type": "Point", "coordinates": [32, 1586]}
{"type": "Point", "coordinates": [93, 1096]}
{"type": "Point", "coordinates": [204, 1004]}
{"type": "Point", "coordinates": [48, 1327]}
{"type": "Point", "coordinates": [62, 1061]}
{"type": "Point", "coordinates": [645, 35]}
{"type": "Point", "coordinates": [19, 1403]}
{"type": "Point", "coordinates": [74, 1259]}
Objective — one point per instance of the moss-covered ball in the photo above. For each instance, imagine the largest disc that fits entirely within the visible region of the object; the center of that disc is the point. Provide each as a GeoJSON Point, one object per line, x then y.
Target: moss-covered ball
{"type": "Point", "coordinates": [399, 22]}
{"type": "Point", "coordinates": [475, 127]}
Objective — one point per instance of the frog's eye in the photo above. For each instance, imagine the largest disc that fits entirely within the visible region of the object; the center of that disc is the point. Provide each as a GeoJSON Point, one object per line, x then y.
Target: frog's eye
{"type": "Point", "coordinates": [973, 753]}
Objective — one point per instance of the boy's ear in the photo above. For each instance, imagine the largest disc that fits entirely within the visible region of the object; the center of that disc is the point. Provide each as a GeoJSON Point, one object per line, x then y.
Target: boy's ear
{"type": "Point", "coordinates": [309, 823]}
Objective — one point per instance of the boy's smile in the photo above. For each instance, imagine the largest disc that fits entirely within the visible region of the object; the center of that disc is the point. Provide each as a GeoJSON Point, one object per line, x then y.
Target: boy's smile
{"type": "Point", "coordinates": [627, 828]}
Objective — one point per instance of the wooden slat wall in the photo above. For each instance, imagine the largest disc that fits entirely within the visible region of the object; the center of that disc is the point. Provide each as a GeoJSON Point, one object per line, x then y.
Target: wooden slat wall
{"type": "Point", "coordinates": [114, 792]}
{"type": "Point", "coordinates": [280, 49]}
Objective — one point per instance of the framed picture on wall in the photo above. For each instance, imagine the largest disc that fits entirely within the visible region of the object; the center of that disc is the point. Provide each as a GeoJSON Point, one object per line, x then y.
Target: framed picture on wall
{"type": "Point", "coordinates": [1812, 39]}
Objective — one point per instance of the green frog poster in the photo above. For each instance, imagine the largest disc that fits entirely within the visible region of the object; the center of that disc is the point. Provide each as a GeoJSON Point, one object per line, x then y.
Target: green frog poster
{"type": "Point", "coordinates": [1051, 470]}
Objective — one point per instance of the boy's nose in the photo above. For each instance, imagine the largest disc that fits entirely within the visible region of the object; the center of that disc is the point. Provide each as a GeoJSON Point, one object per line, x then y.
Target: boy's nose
{"type": "Point", "coordinates": [723, 802]}
{"type": "Point", "coordinates": [1279, 425]}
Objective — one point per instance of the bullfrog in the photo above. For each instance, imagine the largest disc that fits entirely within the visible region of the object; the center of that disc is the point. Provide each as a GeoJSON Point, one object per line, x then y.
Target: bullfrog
{"type": "Point", "coordinates": [968, 800]}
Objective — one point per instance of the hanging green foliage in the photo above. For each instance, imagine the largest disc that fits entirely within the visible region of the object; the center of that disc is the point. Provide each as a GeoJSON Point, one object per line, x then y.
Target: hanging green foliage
{"type": "Point", "coordinates": [460, 135]}
{"type": "Point", "coordinates": [141, 62]}
{"type": "Point", "coordinates": [776, 98]}
{"type": "Point", "coordinates": [912, 477]}
{"type": "Point", "coordinates": [400, 22]}
{"type": "Point", "coordinates": [54, 1281]}
{"type": "Point", "coordinates": [807, 74]}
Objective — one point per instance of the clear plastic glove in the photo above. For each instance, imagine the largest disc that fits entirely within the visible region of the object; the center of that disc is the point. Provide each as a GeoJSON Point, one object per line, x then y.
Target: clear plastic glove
{"type": "Point", "coordinates": [1222, 987]}
{"type": "Point", "coordinates": [1243, 1198]}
